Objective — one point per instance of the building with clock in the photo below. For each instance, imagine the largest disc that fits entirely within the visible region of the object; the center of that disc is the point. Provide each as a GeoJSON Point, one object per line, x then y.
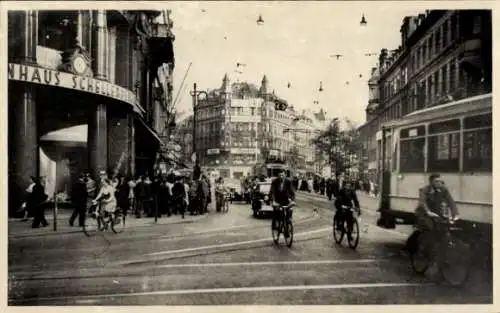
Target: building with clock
{"type": "Point", "coordinates": [87, 92]}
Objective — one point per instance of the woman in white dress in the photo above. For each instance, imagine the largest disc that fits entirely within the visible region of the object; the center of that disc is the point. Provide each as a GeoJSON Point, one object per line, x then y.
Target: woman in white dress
{"type": "Point", "coordinates": [106, 196]}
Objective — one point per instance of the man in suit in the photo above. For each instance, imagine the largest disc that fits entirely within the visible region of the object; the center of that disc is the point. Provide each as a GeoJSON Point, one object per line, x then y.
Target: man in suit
{"type": "Point", "coordinates": [346, 197]}
{"type": "Point", "coordinates": [79, 200]}
{"type": "Point", "coordinates": [435, 201]}
{"type": "Point", "coordinates": [282, 194]}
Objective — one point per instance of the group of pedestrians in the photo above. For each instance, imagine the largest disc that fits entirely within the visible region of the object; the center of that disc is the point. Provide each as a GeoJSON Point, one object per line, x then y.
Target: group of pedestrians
{"type": "Point", "coordinates": [163, 195]}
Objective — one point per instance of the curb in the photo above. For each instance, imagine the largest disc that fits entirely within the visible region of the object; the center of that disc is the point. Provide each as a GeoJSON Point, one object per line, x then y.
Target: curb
{"type": "Point", "coordinates": [78, 230]}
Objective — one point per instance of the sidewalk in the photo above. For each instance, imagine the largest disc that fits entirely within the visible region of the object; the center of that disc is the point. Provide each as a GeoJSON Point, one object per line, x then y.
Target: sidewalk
{"type": "Point", "coordinates": [19, 229]}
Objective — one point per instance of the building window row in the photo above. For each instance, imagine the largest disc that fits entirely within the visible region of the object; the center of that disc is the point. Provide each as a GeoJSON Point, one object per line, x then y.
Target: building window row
{"type": "Point", "coordinates": [437, 41]}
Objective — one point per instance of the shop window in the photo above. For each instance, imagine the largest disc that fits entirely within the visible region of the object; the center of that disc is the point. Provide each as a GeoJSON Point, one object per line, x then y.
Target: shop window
{"type": "Point", "coordinates": [477, 154]}
{"type": "Point", "coordinates": [57, 29]}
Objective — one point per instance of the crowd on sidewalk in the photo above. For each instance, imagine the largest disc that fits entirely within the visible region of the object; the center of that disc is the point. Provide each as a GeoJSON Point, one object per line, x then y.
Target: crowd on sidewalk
{"type": "Point", "coordinates": [162, 195]}
{"type": "Point", "coordinates": [330, 186]}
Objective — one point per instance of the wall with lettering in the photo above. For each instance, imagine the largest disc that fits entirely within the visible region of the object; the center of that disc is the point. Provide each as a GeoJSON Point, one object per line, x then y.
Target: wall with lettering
{"type": "Point", "coordinates": [43, 76]}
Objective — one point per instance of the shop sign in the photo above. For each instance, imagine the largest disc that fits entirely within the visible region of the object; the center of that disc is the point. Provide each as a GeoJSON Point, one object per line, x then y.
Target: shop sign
{"type": "Point", "coordinates": [243, 151]}
{"type": "Point", "coordinates": [213, 151]}
{"type": "Point", "coordinates": [44, 76]}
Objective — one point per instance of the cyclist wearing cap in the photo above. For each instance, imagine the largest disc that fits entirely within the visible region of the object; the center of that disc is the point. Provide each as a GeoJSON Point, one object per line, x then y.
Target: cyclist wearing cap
{"type": "Point", "coordinates": [282, 194]}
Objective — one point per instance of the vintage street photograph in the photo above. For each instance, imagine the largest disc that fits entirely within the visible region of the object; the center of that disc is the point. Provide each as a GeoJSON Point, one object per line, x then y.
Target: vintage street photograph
{"type": "Point", "coordinates": [249, 153]}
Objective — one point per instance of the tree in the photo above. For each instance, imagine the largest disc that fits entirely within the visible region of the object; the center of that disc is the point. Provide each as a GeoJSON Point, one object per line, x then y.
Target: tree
{"type": "Point", "coordinates": [338, 145]}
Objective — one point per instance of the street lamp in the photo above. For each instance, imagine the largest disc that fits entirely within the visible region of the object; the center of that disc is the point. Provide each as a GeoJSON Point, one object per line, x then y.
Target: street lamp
{"type": "Point", "coordinates": [195, 94]}
{"type": "Point", "coordinates": [363, 21]}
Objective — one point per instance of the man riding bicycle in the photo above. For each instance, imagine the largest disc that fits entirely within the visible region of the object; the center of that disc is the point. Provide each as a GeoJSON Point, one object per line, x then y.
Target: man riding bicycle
{"type": "Point", "coordinates": [282, 194]}
{"type": "Point", "coordinates": [346, 198]}
{"type": "Point", "coordinates": [435, 203]}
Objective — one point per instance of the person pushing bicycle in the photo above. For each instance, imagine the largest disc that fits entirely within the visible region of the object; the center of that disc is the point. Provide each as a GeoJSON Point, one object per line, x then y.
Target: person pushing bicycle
{"type": "Point", "coordinates": [282, 194]}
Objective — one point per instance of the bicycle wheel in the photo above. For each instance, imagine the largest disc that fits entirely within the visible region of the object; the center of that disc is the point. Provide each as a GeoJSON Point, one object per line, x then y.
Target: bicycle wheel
{"type": "Point", "coordinates": [91, 225]}
{"type": "Point", "coordinates": [276, 230]}
{"type": "Point", "coordinates": [226, 206]}
{"type": "Point", "coordinates": [338, 234]}
{"type": "Point", "coordinates": [118, 223]}
{"type": "Point", "coordinates": [289, 232]}
{"type": "Point", "coordinates": [353, 233]}
{"type": "Point", "coordinates": [455, 262]}
{"type": "Point", "coordinates": [420, 257]}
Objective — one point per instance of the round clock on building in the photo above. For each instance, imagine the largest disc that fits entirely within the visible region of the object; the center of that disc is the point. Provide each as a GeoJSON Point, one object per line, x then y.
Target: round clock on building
{"type": "Point", "coordinates": [79, 65]}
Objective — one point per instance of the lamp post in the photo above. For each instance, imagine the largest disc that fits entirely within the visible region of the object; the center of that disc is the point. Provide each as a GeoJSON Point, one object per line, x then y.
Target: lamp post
{"type": "Point", "coordinates": [195, 94]}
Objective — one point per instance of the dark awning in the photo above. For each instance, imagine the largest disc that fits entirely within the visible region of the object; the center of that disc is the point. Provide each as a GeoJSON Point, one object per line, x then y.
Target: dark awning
{"type": "Point", "coordinates": [150, 130]}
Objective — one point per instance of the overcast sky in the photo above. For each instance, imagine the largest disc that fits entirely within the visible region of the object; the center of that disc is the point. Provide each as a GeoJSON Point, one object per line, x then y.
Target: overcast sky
{"type": "Point", "coordinates": [293, 45]}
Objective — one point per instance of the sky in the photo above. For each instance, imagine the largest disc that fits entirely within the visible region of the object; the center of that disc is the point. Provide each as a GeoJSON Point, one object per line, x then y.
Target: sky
{"type": "Point", "coordinates": [292, 46]}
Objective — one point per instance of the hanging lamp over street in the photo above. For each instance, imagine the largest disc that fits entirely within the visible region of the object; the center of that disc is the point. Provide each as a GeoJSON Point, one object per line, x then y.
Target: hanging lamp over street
{"type": "Point", "coordinates": [260, 21]}
{"type": "Point", "coordinates": [363, 21]}
{"type": "Point", "coordinates": [320, 86]}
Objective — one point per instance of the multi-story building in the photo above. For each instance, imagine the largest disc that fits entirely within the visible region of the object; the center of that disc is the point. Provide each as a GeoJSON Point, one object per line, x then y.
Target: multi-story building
{"type": "Point", "coordinates": [80, 94]}
{"type": "Point", "coordinates": [445, 56]}
{"type": "Point", "coordinates": [237, 126]}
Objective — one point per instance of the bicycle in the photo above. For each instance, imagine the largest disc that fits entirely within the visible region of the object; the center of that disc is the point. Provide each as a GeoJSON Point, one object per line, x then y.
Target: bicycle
{"type": "Point", "coordinates": [452, 254]}
{"type": "Point", "coordinates": [348, 226]}
{"type": "Point", "coordinates": [103, 221]}
{"type": "Point", "coordinates": [284, 226]}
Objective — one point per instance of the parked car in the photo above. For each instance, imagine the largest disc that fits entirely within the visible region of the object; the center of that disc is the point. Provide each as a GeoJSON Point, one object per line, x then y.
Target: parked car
{"type": "Point", "coordinates": [234, 186]}
{"type": "Point", "coordinates": [261, 198]}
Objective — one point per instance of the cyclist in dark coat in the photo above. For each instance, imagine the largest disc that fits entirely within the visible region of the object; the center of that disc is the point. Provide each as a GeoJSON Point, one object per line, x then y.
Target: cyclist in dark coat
{"type": "Point", "coordinates": [282, 193]}
{"type": "Point", "coordinates": [345, 197]}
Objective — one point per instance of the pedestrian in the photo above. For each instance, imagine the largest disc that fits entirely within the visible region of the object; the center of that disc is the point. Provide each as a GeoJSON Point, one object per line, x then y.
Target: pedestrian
{"type": "Point", "coordinates": [106, 197]}
{"type": "Point", "coordinates": [27, 211]}
{"type": "Point", "coordinates": [122, 193]}
{"type": "Point", "coordinates": [139, 196]}
{"type": "Point", "coordinates": [131, 194]}
{"type": "Point", "coordinates": [79, 197]}
{"type": "Point", "coordinates": [179, 194]}
{"type": "Point", "coordinates": [91, 189]}
{"type": "Point", "coordinates": [37, 201]}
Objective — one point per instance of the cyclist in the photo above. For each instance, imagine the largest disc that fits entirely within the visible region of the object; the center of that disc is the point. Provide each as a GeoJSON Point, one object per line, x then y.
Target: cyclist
{"type": "Point", "coordinates": [282, 194]}
{"type": "Point", "coordinates": [346, 197]}
{"type": "Point", "coordinates": [106, 197]}
{"type": "Point", "coordinates": [435, 203]}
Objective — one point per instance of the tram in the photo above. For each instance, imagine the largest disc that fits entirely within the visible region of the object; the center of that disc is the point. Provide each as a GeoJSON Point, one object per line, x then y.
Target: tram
{"type": "Point", "coordinates": [454, 140]}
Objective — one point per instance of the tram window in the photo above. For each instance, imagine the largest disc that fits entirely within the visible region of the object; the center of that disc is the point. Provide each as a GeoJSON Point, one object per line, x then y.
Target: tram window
{"type": "Point", "coordinates": [445, 126]}
{"type": "Point", "coordinates": [477, 150]}
{"type": "Point", "coordinates": [413, 132]}
{"type": "Point", "coordinates": [444, 153]}
{"type": "Point", "coordinates": [412, 155]}
{"type": "Point", "coordinates": [478, 121]}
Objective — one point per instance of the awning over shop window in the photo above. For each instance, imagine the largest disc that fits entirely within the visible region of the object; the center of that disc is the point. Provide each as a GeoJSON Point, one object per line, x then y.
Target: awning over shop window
{"type": "Point", "coordinates": [150, 130]}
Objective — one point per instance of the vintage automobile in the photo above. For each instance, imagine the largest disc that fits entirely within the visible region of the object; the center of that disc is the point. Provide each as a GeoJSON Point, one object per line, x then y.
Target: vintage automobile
{"type": "Point", "coordinates": [234, 186]}
{"type": "Point", "coordinates": [261, 200]}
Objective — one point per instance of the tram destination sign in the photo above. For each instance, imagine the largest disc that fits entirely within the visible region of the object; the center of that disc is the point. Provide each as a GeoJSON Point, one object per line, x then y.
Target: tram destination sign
{"type": "Point", "coordinates": [44, 76]}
